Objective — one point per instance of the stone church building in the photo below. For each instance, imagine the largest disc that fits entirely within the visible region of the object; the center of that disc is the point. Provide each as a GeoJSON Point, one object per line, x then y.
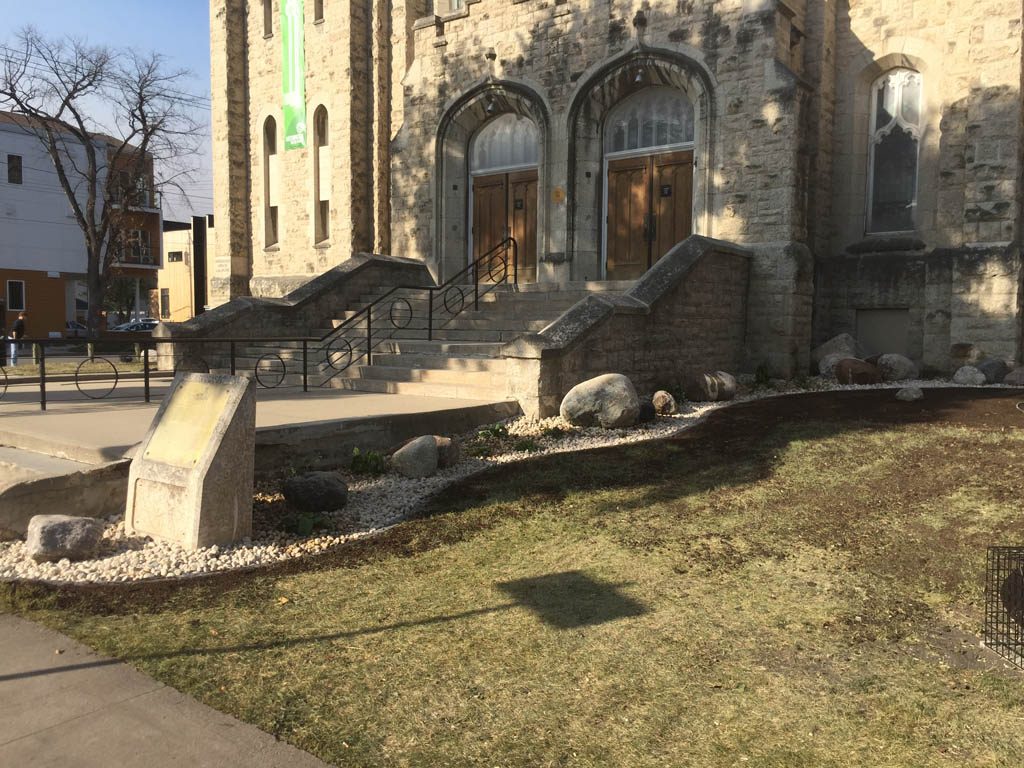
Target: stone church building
{"type": "Point", "coordinates": [864, 155]}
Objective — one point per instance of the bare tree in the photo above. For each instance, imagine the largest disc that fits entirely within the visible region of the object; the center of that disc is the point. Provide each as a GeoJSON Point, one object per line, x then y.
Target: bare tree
{"type": "Point", "coordinates": [106, 118]}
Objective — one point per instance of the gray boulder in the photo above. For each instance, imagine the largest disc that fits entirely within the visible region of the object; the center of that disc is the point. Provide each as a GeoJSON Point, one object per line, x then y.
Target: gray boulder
{"type": "Point", "coordinates": [910, 394]}
{"type": "Point", "coordinates": [1015, 378]}
{"type": "Point", "coordinates": [895, 367]}
{"type": "Point", "coordinates": [843, 345]}
{"type": "Point", "coordinates": [968, 375]}
{"type": "Point", "coordinates": [711, 387]}
{"type": "Point", "coordinates": [316, 491]}
{"type": "Point", "coordinates": [54, 537]}
{"type": "Point", "coordinates": [647, 412]}
{"type": "Point", "coordinates": [827, 364]}
{"type": "Point", "coordinates": [664, 403]}
{"type": "Point", "coordinates": [994, 370]}
{"type": "Point", "coordinates": [417, 458]}
{"type": "Point", "coordinates": [609, 400]}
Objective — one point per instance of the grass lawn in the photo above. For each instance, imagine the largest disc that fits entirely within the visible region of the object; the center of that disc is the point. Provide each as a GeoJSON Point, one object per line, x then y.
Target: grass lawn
{"type": "Point", "coordinates": [55, 366]}
{"type": "Point", "coordinates": [793, 584]}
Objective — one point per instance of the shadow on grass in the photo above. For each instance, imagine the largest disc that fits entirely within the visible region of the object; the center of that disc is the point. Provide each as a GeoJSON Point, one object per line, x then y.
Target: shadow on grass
{"type": "Point", "coordinates": [564, 601]}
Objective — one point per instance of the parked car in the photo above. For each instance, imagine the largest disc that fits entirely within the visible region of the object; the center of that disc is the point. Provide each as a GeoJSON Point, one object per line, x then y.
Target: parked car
{"type": "Point", "coordinates": [75, 330]}
{"type": "Point", "coordinates": [137, 326]}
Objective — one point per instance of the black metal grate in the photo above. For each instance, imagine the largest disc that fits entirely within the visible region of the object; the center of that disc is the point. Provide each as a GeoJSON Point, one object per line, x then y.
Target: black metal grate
{"type": "Point", "coordinates": [1004, 603]}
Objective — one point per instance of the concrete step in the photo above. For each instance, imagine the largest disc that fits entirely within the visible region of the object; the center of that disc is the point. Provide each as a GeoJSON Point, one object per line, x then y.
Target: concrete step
{"type": "Point", "coordinates": [475, 379]}
{"type": "Point", "coordinates": [439, 362]}
{"type": "Point", "coordinates": [481, 321]}
{"type": "Point", "coordinates": [418, 388]}
{"type": "Point", "coordinates": [442, 347]}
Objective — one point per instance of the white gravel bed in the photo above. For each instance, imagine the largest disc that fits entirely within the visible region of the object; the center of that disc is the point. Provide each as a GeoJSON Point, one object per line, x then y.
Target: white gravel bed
{"type": "Point", "coordinates": [374, 504]}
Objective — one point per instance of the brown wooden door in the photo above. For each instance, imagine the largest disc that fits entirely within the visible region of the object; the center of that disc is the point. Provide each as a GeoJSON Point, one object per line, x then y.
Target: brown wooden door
{"type": "Point", "coordinates": [650, 203]}
{"type": "Point", "coordinates": [671, 201]}
{"type": "Point", "coordinates": [522, 216]}
{"type": "Point", "coordinates": [629, 183]}
{"type": "Point", "coordinates": [504, 205]}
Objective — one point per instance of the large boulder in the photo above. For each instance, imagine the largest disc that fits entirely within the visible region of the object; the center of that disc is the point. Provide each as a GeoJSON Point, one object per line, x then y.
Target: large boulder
{"type": "Point", "coordinates": [1015, 378]}
{"type": "Point", "coordinates": [850, 370]}
{"type": "Point", "coordinates": [994, 369]}
{"type": "Point", "coordinates": [895, 367]}
{"type": "Point", "coordinates": [55, 537]}
{"type": "Point", "coordinates": [827, 364]}
{"type": "Point", "coordinates": [664, 403]}
{"type": "Point", "coordinates": [417, 458]}
{"type": "Point", "coordinates": [843, 345]}
{"type": "Point", "coordinates": [316, 491]}
{"type": "Point", "coordinates": [609, 400]}
{"type": "Point", "coordinates": [968, 375]}
{"type": "Point", "coordinates": [711, 387]}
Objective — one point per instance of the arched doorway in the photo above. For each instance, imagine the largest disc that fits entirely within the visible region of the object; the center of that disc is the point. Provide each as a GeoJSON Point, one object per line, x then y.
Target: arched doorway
{"type": "Point", "coordinates": [648, 173]}
{"type": "Point", "coordinates": [504, 157]}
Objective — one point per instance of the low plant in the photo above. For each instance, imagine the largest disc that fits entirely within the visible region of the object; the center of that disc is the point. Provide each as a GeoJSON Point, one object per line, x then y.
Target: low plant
{"type": "Point", "coordinates": [494, 431]}
{"type": "Point", "coordinates": [368, 462]}
{"type": "Point", "coordinates": [480, 451]}
{"type": "Point", "coordinates": [554, 432]}
{"type": "Point", "coordinates": [762, 378]}
{"type": "Point", "coordinates": [304, 523]}
{"type": "Point", "coordinates": [525, 444]}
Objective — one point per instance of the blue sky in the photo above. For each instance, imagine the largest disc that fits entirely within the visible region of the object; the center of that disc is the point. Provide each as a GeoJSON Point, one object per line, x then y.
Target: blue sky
{"type": "Point", "coordinates": [178, 29]}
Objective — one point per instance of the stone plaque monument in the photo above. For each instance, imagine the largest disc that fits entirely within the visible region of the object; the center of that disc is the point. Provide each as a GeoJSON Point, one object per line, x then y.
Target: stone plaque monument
{"type": "Point", "coordinates": [192, 476]}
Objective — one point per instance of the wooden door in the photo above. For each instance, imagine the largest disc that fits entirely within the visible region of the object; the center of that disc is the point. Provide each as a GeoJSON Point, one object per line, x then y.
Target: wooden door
{"type": "Point", "coordinates": [650, 209]}
{"type": "Point", "coordinates": [490, 212]}
{"type": "Point", "coordinates": [671, 201]}
{"type": "Point", "coordinates": [628, 248]}
{"type": "Point", "coordinates": [522, 217]}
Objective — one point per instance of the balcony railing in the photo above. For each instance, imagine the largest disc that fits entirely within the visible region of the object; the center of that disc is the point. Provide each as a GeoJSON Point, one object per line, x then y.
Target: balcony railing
{"type": "Point", "coordinates": [147, 199]}
{"type": "Point", "coordinates": [137, 254]}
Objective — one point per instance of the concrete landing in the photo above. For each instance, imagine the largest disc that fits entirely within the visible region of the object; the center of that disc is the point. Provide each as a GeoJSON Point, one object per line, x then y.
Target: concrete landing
{"type": "Point", "coordinates": [62, 705]}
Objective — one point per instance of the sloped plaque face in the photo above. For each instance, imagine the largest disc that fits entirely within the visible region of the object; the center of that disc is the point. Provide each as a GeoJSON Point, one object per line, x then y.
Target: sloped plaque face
{"type": "Point", "coordinates": [187, 425]}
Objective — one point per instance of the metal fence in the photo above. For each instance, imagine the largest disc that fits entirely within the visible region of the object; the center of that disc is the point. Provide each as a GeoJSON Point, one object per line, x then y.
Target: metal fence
{"type": "Point", "coordinates": [1004, 603]}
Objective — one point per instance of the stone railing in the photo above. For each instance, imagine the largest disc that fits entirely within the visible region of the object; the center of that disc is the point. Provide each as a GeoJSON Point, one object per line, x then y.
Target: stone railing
{"type": "Point", "coordinates": [308, 308]}
{"type": "Point", "coordinates": [686, 315]}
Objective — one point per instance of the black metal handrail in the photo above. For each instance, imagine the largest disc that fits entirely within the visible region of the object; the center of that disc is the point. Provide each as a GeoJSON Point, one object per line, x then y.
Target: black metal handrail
{"type": "Point", "coordinates": [356, 339]}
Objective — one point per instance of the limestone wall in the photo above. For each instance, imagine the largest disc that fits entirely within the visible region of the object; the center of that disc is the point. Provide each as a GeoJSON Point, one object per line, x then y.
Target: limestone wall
{"type": "Point", "coordinates": [687, 315]}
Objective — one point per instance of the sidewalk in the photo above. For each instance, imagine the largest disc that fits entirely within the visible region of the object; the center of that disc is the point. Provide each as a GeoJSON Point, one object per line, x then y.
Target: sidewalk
{"type": "Point", "coordinates": [77, 709]}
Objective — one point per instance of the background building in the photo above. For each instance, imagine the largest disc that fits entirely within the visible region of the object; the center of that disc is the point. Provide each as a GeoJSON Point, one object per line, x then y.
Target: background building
{"type": "Point", "coordinates": [42, 254]}
{"type": "Point", "coordinates": [183, 285]}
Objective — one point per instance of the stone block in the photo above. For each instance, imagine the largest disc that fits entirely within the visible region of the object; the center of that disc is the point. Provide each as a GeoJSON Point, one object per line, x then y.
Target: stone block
{"type": "Point", "coordinates": [191, 480]}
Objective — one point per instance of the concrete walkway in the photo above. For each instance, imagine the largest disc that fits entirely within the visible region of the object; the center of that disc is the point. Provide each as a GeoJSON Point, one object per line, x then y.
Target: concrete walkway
{"type": "Point", "coordinates": [62, 705]}
{"type": "Point", "coordinates": [96, 431]}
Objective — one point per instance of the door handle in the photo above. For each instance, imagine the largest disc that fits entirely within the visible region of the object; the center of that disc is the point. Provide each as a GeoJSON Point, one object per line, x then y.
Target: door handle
{"type": "Point", "coordinates": [650, 227]}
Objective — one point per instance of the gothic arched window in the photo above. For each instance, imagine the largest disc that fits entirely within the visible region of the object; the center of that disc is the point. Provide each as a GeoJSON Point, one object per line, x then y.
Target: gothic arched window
{"type": "Point", "coordinates": [895, 142]}
{"type": "Point", "coordinates": [270, 181]}
{"type": "Point", "coordinates": [654, 117]}
{"type": "Point", "coordinates": [507, 141]}
{"type": "Point", "coordinates": [321, 175]}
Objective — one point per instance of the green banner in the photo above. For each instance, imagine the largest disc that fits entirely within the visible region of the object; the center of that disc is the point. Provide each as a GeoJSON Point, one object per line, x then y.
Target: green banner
{"type": "Point", "coordinates": [294, 71]}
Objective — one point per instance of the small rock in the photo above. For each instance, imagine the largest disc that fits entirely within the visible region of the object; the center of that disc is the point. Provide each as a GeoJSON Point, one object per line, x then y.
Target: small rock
{"type": "Point", "coordinates": [850, 370]}
{"type": "Point", "coordinates": [664, 403]}
{"type": "Point", "coordinates": [895, 367]}
{"type": "Point", "coordinates": [843, 345]}
{"type": "Point", "coordinates": [711, 387]}
{"type": "Point", "coordinates": [417, 458]}
{"type": "Point", "coordinates": [316, 491]}
{"type": "Point", "coordinates": [1015, 378]}
{"type": "Point", "coordinates": [968, 375]}
{"type": "Point", "coordinates": [647, 411]}
{"type": "Point", "coordinates": [609, 400]}
{"type": "Point", "coordinates": [827, 365]}
{"type": "Point", "coordinates": [910, 394]}
{"type": "Point", "coordinates": [994, 370]}
{"type": "Point", "coordinates": [62, 538]}
{"type": "Point", "coordinates": [448, 451]}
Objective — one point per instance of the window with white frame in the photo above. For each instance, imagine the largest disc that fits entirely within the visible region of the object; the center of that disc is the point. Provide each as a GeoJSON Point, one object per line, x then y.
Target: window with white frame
{"type": "Point", "coordinates": [507, 141]}
{"type": "Point", "coordinates": [15, 295]}
{"type": "Point", "coordinates": [895, 145]}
